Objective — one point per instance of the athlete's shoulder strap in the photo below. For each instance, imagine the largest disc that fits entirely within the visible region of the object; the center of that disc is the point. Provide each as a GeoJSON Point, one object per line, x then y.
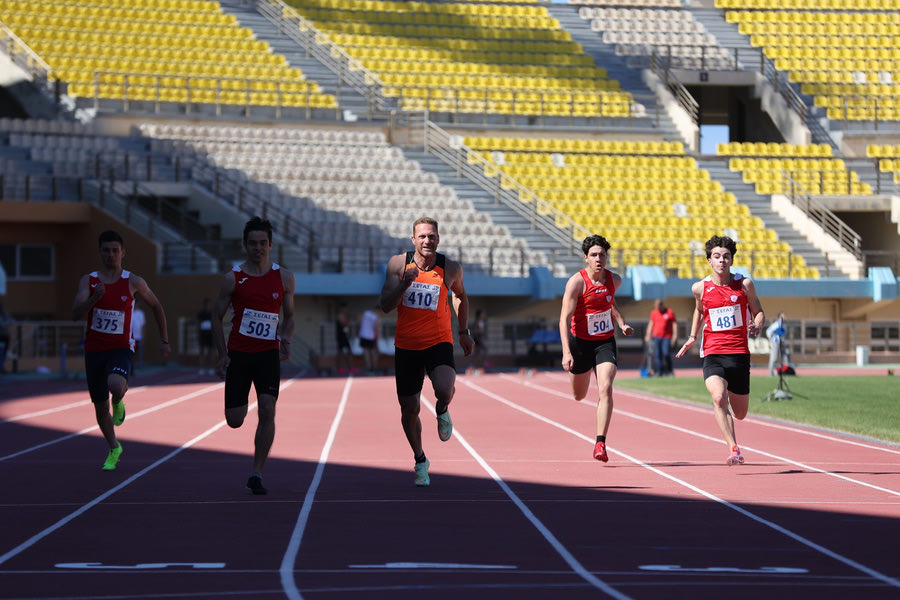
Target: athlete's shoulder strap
{"type": "Point", "coordinates": [409, 256]}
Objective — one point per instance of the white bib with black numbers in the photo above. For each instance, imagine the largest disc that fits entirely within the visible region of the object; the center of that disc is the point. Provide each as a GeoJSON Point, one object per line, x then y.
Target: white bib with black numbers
{"type": "Point", "coordinates": [725, 317]}
{"type": "Point", "coordinates": [108, 321]}
{"type": "Point", "coordinates": [599, 323]}
{"type": "Point", "coordinates": [422, 295]}
{"type": "Point", "coordinates": [259, 325]}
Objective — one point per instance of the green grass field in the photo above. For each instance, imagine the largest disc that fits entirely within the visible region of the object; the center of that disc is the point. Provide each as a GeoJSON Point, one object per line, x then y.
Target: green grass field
{"type": "Point", "coordinates": [867, 405]}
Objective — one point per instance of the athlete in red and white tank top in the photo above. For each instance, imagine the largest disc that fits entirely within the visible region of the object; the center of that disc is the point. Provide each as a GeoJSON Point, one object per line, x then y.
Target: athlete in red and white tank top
{"type": "Point", "coordinates": [725, 317]}
{"type": "Point", "coordinates": [592, 319]}
{"type": "Point", "coordinates": [109, 320]}
{"type": "Point", "coordinates": [256, 304]}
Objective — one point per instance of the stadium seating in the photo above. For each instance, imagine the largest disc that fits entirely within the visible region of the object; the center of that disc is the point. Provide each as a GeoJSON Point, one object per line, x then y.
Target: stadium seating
{"type": "Point", "coordinates": [780, 168]}
{"type": "Point", "coordinates": [647, 197]}
{"type": "Point", "coordinates": [465, 57]}
{"type": "Point", "coordinates": [343, 183]}
{"type": "Point", "coordinates": [167, 51]}
{"type": "Point", "coordinates": [845, 55]}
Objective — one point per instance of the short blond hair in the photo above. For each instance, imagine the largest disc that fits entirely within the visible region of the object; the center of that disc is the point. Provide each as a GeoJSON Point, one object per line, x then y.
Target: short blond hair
{"type": "Point", "coordinates": [425, 221]}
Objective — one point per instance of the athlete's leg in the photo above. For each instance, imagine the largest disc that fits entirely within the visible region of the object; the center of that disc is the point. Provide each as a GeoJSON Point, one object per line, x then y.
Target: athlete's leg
{"type": "Point", "coordinates": [105, 422]}
{"type": "Point", "coordinates": [443, 380]}
{"type": "Point", "coordinates": [740, 404]}
{"type": "Point", "coordinates": [117, 385]}
{"type": "Point", "coordinates": [412, 424]}
{"type": "Point", "coordinates": [718, 391]}
{"type": "Point", "coordinates": [606, 373]}
{"type": "Point", "coordinates": [580, 384]}
{"type": "Point", "coordinates": [265, 431]}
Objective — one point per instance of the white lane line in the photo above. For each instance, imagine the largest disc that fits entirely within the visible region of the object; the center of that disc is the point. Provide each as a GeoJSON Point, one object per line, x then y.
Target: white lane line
{"type": "Point", "coordinates": [50, 411]}
{"type": "Point", "coordinates": [289, 560]}
{"type": "Point", "coordinates": [140, 413]}
{"type": "Point", "coordinates": [567, 556]}
{"type": "Point", "coordinates": [797, 537]}
{"type": "Point", "coordinates": [757, 419]}
{"type": "Point", "coordinates": [720, 441]}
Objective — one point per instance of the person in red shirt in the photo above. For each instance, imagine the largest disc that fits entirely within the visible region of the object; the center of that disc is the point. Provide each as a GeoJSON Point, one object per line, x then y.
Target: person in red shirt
{"type": "Point", "coordinates": [662, 331]}
{"type": "Point", "coordinates": [418, 284]}
{"type": "Point", "coordinates": [728, 310]}
{"type": "Point", "coordinates": [106, 298]}
{"type": "Point", "coordinates": [587, 333]}
{"type": "Point", "coordinates": [256, 291]}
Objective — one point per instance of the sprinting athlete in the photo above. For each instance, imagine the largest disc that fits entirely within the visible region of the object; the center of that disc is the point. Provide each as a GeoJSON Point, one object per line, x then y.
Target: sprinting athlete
{"type": "Point", "coordinates": [728, 310]}
{"type": "Point", "coordinates": [256, 291]}
{"type": "Point", "coordinates": [587, 332]}
{"type": "Point", "coordinates": [417, 284]}
{"type": "Point", "coordinates": [106, 297]}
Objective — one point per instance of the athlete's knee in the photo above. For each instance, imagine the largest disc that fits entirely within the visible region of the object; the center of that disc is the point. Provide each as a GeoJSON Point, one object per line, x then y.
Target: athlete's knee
{"type": "Point", "coordinates": [235, 416]}
{"type": "Point", "coordinates": [409, 405]}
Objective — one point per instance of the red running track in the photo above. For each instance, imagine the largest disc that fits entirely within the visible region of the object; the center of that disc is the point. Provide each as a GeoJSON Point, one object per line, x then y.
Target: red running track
{"type": "Point", "coordinates": [517, 507]}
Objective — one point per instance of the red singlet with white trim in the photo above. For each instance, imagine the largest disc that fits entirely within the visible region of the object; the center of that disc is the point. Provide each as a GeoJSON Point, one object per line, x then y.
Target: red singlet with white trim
{"type": "Point", "coordinates": [255, 304]}
{"type": "Point", "coordinates": [109, 321]}
{"type": "Point", "coordinates": [592, 319]}
{"type": "Point", "coordinates": [725, 317]}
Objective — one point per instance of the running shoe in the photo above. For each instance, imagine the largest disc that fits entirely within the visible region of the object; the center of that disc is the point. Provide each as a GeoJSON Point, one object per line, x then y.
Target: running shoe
{"type": "Point", "coordinates": [254, 484]}
{"type": "Point", "coordinates": [119, 412]}
{"type": "Point", "coordinates": [112, 459]}
{"type": "Point", "coordinates": [445, 426]}
{"type": "Point", "coordinates": [422, 478]}
{"type": "Point", "coordinates": [735, 458]}
{"type": "Point", "coordinates": [600, 452]}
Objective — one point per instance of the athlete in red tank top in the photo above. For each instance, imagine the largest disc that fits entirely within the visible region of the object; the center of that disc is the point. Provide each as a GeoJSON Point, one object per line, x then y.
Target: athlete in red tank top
{"type": "Point", "coordinates": [257, 291]}
{"type": "Point", "coordinates": [728, 310]}
{"type": "Point", "coordinates": [106, 298]}
{"type": "Point", "coordinates": [587, 333]}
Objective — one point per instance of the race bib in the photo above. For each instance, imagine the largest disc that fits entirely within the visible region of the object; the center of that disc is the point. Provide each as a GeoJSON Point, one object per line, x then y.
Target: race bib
{"type": "Point", "coordinates": [600, 323]}
{"type": "Point", "coordinates": [725, 317]}
{"type": "Point", "coordinates": [259, 325]}
{"type": "Point", "coordinates": [422, 295]}
{"type": "Point", "coordinates": [108, 321]}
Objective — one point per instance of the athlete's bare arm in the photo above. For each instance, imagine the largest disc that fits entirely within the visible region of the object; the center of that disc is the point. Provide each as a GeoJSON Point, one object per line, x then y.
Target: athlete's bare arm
{"type": "Point", "coordinates": [454, 273]}
{"type": "Point", "coordinates": [696, 319]}
{"type": "Point", "coordinates": [396, 280]}
{"type": "Point", "coordinates": [140, 288]}
{"type": "Point", "coordinates": [574, 289]}
{"type": "Point", "coordinates": [287, 313]}
{"type": "Point", "coordinates": [756, 310]}
{"type": "Point", "coordinates": [85, 298]}
{"type": "Point", "coordinates": [616, 313]}
{"type": "Point", "coordinates": [219, 308]}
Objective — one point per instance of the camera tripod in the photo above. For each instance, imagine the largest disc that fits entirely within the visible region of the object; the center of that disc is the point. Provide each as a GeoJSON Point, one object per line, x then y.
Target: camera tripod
{"type": "Point", "coordinates": [782, 391]}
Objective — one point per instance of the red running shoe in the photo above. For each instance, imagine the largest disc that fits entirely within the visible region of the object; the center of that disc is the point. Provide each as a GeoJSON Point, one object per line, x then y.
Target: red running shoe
{"type": "Point", "coordinates": [735, 458]}
{"type": "Point", "coordinates": [600, 452]}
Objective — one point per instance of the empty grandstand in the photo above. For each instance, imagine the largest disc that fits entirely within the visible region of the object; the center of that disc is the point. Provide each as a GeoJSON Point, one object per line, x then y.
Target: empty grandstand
{"type": "Point", "coordinates": [521, 125]}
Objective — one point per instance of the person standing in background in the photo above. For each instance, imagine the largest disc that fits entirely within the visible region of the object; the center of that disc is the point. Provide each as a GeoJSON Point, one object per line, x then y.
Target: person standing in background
{"type": "Point", "coordinates": [342, 339]}
{"type": "Point", "coordinates": [205, 338]}
{"type": "Point", "coordinates": [778, 350]}
{"type": "Point", "coordinates": [368, 338]}
{"type": "Point", "coordinates": [138, 320]}
{"type": "Point", "coordinates": [662, 330]}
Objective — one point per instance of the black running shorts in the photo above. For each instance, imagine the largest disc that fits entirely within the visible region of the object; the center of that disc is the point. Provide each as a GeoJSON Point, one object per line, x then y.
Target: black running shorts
{"type": "Point", "coordinates": [733, 368]}
{"type": "Point", "coordinates": [587, 354]}
{"type": "Point", "coordinates": [262, 369]}
{"type": "Point", "coordinates": [98, 366]}
{"type": "Point", "coordinates": [410, 366]}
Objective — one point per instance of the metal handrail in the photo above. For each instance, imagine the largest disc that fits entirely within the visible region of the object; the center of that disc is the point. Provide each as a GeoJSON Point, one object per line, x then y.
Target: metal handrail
{"type": "Point", "coordinates": [506, 190]}
{"type": "Point", "coordinates": [822, 216]}
{"type": "Point", "coordinates": [317, 44]}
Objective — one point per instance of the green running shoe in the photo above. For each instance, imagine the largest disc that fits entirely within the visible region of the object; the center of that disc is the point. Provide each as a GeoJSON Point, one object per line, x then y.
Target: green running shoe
{"type": "Point", "coordinates": [112, 458]}
{"type": "Point", "coordinates": [422, 478]}
{"type": "Point", "coordinates": [445, 426]}
{"type": "Point", "coordinates": [119, 413]}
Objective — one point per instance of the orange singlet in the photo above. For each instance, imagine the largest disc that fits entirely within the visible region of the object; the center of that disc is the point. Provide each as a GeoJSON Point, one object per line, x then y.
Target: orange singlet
{"type": "Point", "coordinates": [423, 317]}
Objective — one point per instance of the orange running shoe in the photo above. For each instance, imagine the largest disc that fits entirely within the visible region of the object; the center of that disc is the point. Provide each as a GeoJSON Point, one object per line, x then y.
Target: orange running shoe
{"type": "Point", "coordinates": [600, 452]}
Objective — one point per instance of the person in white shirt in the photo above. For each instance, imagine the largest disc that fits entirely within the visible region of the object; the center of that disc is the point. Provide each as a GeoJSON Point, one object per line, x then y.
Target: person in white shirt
{"type": "Point", "coordinates": [368, 338]}
{"type": "Point", "coordinates": [138, 320]}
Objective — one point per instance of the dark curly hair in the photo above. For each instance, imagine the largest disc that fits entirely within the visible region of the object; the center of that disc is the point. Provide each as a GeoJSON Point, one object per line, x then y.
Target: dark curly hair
{"type": "Point", "coordinates": [594, 240]}
{"type": "Point", "coordinates": [720, 241]}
